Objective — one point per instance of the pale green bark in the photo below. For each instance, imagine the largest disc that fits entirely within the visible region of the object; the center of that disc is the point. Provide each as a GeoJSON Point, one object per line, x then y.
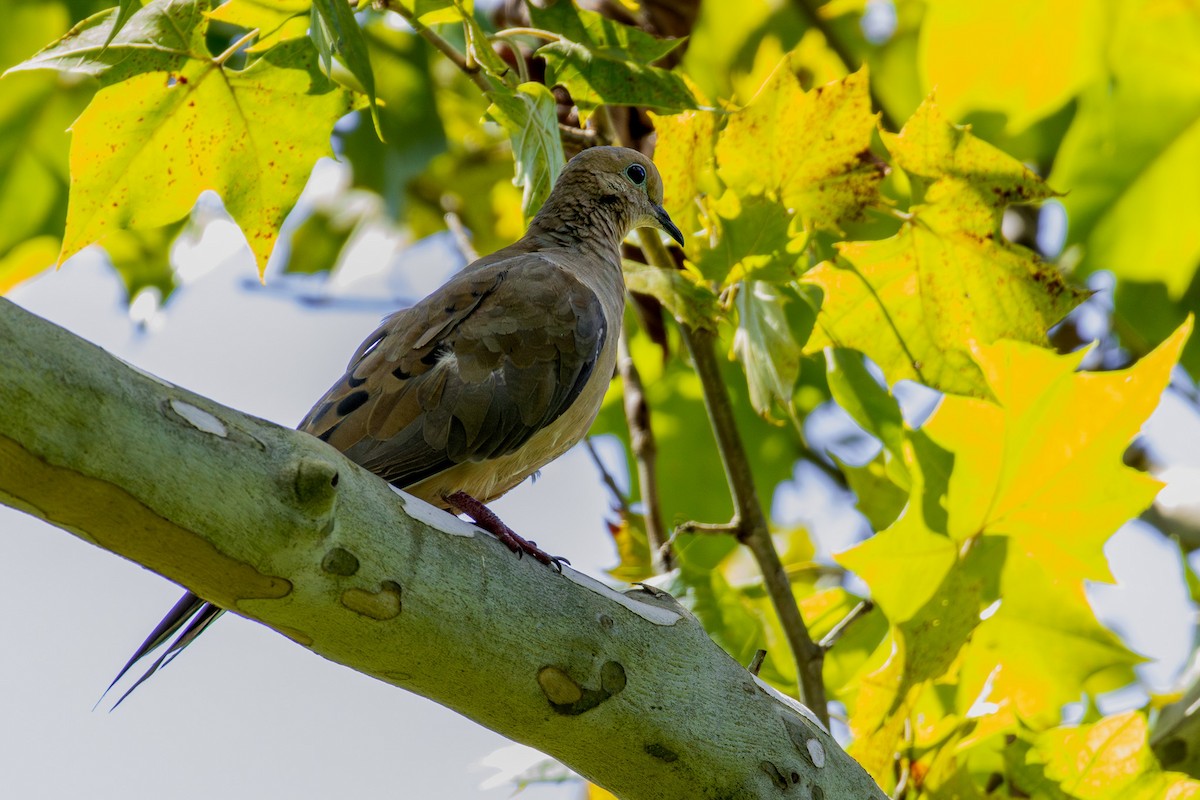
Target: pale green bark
{"type": "Point", "coordinates": [276, 526]}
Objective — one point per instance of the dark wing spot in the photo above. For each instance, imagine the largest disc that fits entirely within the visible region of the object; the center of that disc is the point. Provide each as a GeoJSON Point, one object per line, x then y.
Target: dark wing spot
{"type": "Point", "coordinates": [351, 402]}
{"type": "Point", "coordinates": [354, 382]}
{"type": "Point", "coordinates": [400, 374]}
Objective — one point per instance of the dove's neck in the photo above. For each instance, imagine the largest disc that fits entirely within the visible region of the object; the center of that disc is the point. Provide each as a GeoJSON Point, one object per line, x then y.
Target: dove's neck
{"type": "Point", "coordinates": [592, 225]}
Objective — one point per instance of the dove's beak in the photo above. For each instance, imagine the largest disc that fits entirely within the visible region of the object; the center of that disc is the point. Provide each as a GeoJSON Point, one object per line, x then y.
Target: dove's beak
{"type": "Point", "coordinates": [664, 222]}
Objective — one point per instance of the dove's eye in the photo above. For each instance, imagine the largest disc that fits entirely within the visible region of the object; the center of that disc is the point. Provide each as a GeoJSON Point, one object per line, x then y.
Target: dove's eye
{"type": "Point", "coordinates": [636, 173]}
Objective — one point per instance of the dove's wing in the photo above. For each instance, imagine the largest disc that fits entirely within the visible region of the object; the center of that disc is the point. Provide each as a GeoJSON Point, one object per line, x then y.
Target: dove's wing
{"type": "Point", "coordinates": [468, 374]}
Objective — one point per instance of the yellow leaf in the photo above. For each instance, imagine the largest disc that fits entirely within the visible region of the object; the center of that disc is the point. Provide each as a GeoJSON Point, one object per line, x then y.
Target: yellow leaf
{"type": "Point", "coordinates": [146, 147]}
{"type": "Point", "coordinates": [811, 150]}
{"type": "Point", "coordinates": [1108, 760]}
{"type": "Point", "coordinates": [26, 260]}
{"type": "Point", "coordinates": [912, 302]}
{"type": "Point", "coordinates": [1022, 58]}
{"type": "Point", "coordinates": [683, 153]}
{"type": "Point", "coordinates": [1044, 465]}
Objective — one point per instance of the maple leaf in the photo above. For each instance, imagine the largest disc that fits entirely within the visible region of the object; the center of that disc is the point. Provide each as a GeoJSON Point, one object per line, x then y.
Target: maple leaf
{"type": "Point", "coordinates": [913, 301]}
{"type": "Point", "coordinates": [1010, 501]}
{"type": "Point", "coordinates": [810, 150]}
{"type": "Point", "coordinates": [147, 146]}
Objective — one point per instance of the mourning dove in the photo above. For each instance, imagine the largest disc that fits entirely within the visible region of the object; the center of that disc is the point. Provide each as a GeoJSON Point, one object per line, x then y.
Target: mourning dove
{"type": "Point", "coordinates": [461, 397]}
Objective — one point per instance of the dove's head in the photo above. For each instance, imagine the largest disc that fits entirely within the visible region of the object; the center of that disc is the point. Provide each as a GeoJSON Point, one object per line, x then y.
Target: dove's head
{"type": "Point", "coordinates": [612, 186]}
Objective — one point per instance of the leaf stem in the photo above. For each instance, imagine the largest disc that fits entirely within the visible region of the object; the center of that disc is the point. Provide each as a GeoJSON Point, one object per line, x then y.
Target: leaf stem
{"type": "Point", "coordinates": [535, 32]}
{"type": "Point", "coordinates": [835, 633]}
{"type": "Point", "coordinates": [233, 48]}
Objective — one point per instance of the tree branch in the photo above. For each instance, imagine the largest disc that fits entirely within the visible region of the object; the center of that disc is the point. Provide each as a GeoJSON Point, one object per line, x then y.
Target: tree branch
{"type": "Point", "coordinates": [277, 526]}
{"type": "Point", "coordinates": [752, 523]}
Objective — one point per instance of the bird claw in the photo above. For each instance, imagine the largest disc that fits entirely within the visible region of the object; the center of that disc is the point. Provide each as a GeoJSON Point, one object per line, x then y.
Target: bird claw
{"type": "Point", "coordinates": [485, 518]}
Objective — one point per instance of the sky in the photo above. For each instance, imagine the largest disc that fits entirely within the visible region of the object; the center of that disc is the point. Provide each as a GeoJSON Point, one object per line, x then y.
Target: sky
{"type": "Point", "coordinates": [247, 713]}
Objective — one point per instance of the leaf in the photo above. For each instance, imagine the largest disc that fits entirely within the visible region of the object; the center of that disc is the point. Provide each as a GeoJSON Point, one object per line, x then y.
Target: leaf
{"type": "Point", "coordinates": [599, 33]}
{"type": "Point", "coordinates": [772, 324]}
{"type": "Point", "coordinates": [1024, 58]}
{"type": "Point", "coordinates": [1133, 145]}
{"type": "Point", "coordinates": [125, 11]}
{"type": "Point", "coordinates": [529, 114]}
{"type": "Point", "coordinates": [27, 259]}
{"type": "Point", "coordinates": [810, 150]}
{"type": "Point", "coordinates": [681, 292]}
{"type": "Point", "coordinates": [879, 499]}
{"type": "Point", "coordinates": [912, 302]}
{"type": "Point", "coordinates": [143, 258]}
{"type": "Point", "coordinates": [413, 132]}
{"type": "Point", "coordinates": [753, 242]}
{"type": "Point", "coordinates": [1108, 760]}
{"type": "Point", "coordinates": [595, 78]}
{"type": "Point", "coordinates": [683, 153]}
{"type": "Point", "coordinates": [870, 405]}
{"type": "Point", "coordinates": [344, 38]}
{"type": "Point", "coordinates": [275, 20]}
{"type": "Point", "coordinates": [35, 111]}
{"type": "Point", "coordinates": [140, 153]}
{"type": "Point", "coordinates": [161, 37]}
{"type": "Point", "coordinates": [1055, 433]}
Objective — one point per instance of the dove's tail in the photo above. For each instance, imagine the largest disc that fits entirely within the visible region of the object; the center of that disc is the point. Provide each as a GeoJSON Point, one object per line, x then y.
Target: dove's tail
{"type": "Point", "coordinates": [185, 621]}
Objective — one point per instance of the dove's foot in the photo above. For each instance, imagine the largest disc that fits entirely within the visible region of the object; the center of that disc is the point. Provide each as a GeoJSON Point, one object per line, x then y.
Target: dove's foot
{"type": "Point", "coordinates": [485, 518]}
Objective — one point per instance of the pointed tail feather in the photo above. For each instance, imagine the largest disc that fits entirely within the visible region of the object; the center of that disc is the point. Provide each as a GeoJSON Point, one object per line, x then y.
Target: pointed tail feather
{"type": "Point", "coordinates": [191, 615]}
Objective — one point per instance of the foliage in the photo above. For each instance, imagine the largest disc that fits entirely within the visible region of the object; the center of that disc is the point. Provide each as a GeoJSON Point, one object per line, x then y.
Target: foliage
{"type": "Point", "coordinates": [844, 188]}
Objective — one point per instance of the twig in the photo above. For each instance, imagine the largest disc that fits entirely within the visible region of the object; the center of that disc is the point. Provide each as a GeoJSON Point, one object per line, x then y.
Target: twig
{"type": "Point", "coordinates": [618, 496]}
{"type": "Point", "coordinates": [753, 530]}
{"type": "Point", "coordinates": [731, 528]}
{"type": "Point", "coordinates": [756, 663]}
{"type": "Point", "coordinates": [472, 71]}
{"type": "Point", "coordinates": [579, 136]}
{"type": "Point", "coordinates": [645, 455]}
{"type": "Point", "coordinates": [835, 633]}
{"type": "Point", "coordinates": [461, 239]}
{"type": "Point", "coordinates": [808, 9]}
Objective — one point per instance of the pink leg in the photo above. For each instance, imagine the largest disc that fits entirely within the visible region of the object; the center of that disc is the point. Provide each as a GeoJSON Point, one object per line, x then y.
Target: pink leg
{"type": "Point", "coordinates": [485, 518]}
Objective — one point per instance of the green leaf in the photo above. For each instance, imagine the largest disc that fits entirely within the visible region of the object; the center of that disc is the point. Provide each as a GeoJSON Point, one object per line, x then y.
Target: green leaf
{"type": "Point", "coordinates": [869, 404]}
{"type": "Point", "coordinates": [161, 37]}
{"type": "Point", "coordinates": [1127, 160]}
{"type": "Point", "coordinates": [753, 242]}
{"type": "Point", "coordinates": [529, 115]}
{"type": "Point", "coordinates": [137, 151]}
{"type": "Point", "coordinates": [143, 258]}
{"type": "Point", "coordinates": [913, 302]}
{"type": "Point", "coordinates": [413, 132]}
{"type": "Point", "coordinates": [599, 33]}
{"type": "Point", "coordinates": [36, 109]}
{"type": "Point", "coordinates": [880, 500]}
{"type": "Point", "coordinates": [275, 20]}
{"type": "Point", "coordinates": [340, 35]}
{"type": "Point", "coordinates": [125, 11]}
{"type": "Point", "coordinates": [772, 326]}
{"type": "Point", "coordinates": [319, 240]}
{"type": "Point", "coordinates": [594, 79]}
{"type": "Point", "coordinates": [682, 293]}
